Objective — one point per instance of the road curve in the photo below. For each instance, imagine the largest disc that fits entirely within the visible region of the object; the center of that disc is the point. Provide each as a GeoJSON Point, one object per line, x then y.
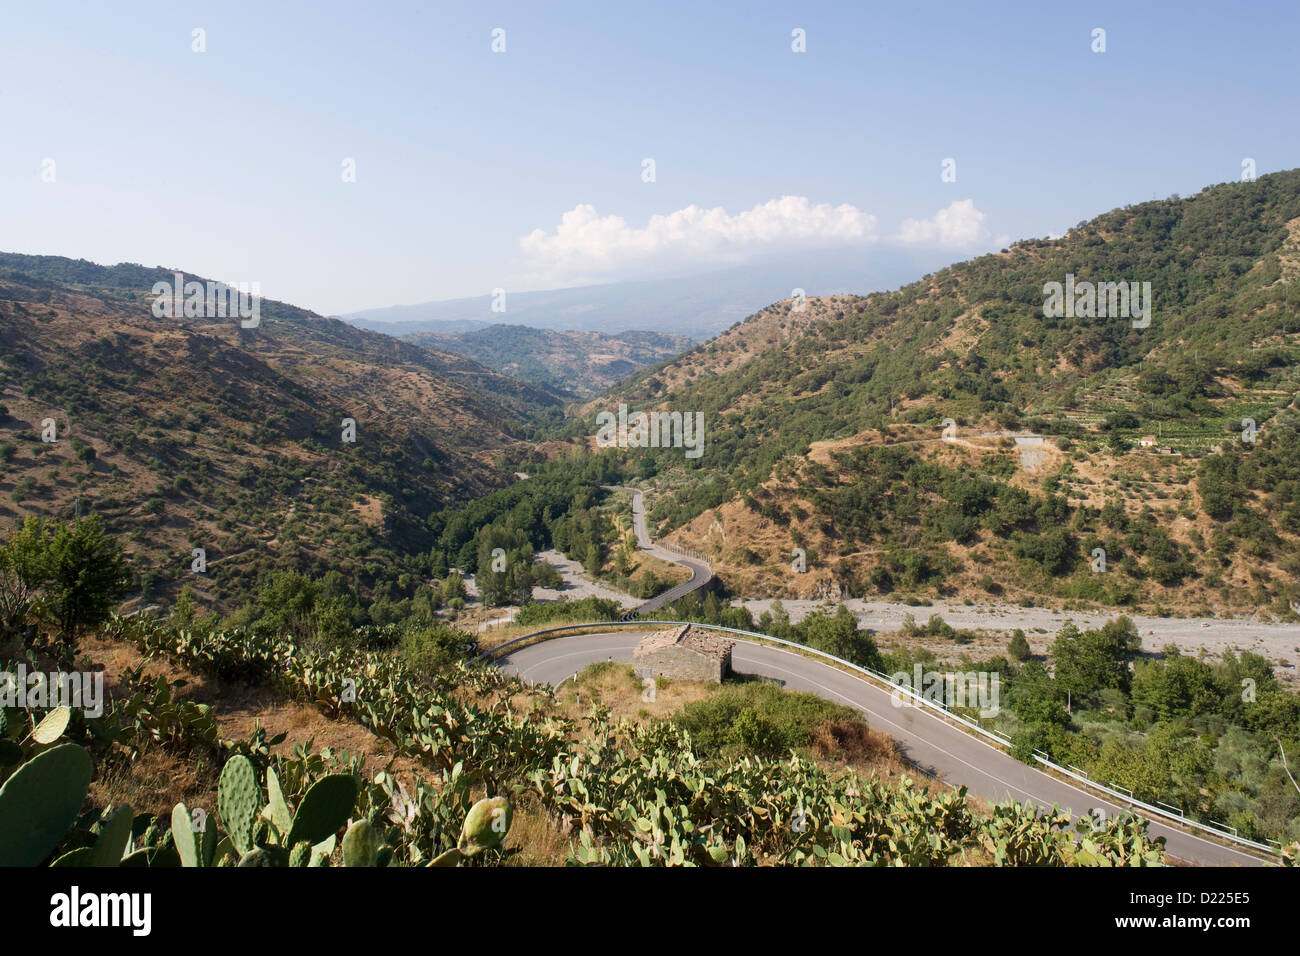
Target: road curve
{"type": "Point", "coordinates": [928, 742]}
{"type": "Point", "coordinates": [701, 573]}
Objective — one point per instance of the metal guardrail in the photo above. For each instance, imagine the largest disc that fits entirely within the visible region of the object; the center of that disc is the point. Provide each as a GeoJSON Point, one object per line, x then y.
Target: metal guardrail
{"type": "Point", "coordinates": [684, 552]}
{"type": "Point", "coordinates": [998, 738]}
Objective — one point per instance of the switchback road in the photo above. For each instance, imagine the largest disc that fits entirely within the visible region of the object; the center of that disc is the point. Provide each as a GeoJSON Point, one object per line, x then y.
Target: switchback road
{"type": "Point", "coordinates": [933, 745]}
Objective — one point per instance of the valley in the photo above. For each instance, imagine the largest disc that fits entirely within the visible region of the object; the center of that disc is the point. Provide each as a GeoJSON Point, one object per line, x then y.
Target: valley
{"type": "Point", "coordinates": [944, 478]}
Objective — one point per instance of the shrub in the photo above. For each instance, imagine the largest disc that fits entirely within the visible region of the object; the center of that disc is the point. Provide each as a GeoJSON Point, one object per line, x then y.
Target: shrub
{"type": "Point", "coordinates": [586, 609]}
{"type": "Point", "coordinates": [428, 651]}
{"type": "Point", "coordinates": [759, 719]}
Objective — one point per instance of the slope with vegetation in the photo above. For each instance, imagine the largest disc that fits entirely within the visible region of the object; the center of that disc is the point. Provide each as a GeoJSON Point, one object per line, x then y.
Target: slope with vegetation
{"type": "Point", "coordinates": [198, 433]}
{"type": "Point", "coordinates": [826, 434]}
{"type": "Point", "coordinates": [495, 766]}
{"type": "Point", "coordinates": [1209, 737]}
{"type": "Point", "coordinates": [577, 364]}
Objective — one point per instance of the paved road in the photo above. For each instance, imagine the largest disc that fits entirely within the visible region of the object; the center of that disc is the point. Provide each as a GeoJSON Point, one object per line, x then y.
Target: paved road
{"type": "Point", "coordinates": [932, 745]}
{"type": "Point", "coordinates": [701, 573]}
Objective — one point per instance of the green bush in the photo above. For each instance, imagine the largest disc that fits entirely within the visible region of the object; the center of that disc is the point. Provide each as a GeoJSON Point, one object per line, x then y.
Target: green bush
{"type": "Point", "coordinates": [428, 651]}
{"type": "Point", "coordinates": [757, 719]}
{"type": "Point", "coordinates": [586, 609]}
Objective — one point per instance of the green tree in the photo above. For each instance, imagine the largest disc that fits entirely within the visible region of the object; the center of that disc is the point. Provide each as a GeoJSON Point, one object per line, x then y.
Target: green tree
{"type": "Point", "coordinates": [1038, 699]}
{"type": "Point", "coordinates": [288, 599]}
{"type": "Point", "coordinates": [24, 570]}
{"type": "Point", "coordinates": [839, 634]}
{"type": "Point", "coordinates": [88, 576]}
{"type": "Point", "coordinates": [1089, 661]}
{"type": "Point", "coordinates": [453, 588]}
{"type": "Point", "coordinates": [1177, 686]}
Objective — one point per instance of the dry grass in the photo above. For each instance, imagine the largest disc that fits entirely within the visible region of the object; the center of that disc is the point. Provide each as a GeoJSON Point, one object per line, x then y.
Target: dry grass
{"type": "Point", "coordinates": [156, 781]}
{"type": "Point", "coordinates": [616, 686]}
{"type": "Point", "coordinates": [540, 839]}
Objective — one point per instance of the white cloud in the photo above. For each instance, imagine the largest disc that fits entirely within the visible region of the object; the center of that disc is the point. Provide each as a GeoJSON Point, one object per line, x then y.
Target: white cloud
{"type": "Point", "coordinates": [588, 247]}
{"type": "Point", "coordinates": [586, 244]}
{"type": "Point", "coordinates": [960, 225]}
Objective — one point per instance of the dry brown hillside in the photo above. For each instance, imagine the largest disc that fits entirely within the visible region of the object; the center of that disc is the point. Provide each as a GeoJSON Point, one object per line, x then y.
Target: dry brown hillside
{"type": "Point", "coordinates": [189, 433]}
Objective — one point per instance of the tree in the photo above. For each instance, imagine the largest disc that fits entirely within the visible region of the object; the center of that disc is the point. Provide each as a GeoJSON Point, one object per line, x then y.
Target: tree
{"type": "Point", "coordinates": [1090, 661]}
{"type": "Point", "coordinates": [505, 563]}
{"type": "Point", "coordinates": [776, 622]}
{"type": "Point", "coordinates": [1036, 698]}
{"type": "Point", "coordinates": [454, 588]}
{"type": "Point", "coordinates": [88, 576]}
{"type": "Point", "coordinates": [1019, 648]}
{"type": "Point", "coordinates": [23, 571]}
{"type": "Point", "coordinates": [288, 600]}
{"type": "Point", "coordinates": [838, 634]}
{"type": "Point", "coordinates": [185, 606]}
{"type": "Point", "coordinates": [1177, 686]}
{"type": "Point", "coordinates": [437, 563]}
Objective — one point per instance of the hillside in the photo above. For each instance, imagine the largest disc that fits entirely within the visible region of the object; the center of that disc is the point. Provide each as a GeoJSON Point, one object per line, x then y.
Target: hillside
{"type": "Point", "coordinates": [580, 364]}
{"type": "Point", "coordinates": [799, 406]}
{"type": "Point", "coordinates": [194, 432]}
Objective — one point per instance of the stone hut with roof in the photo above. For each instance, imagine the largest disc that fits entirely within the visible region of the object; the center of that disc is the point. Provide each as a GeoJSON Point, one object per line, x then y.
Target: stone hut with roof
{"type": "Point", "coordinates": [686, 653]}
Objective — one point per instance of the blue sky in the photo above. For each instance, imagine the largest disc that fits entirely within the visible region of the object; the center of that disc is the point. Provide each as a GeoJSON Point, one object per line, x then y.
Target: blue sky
{"type": "Point", "coordinates": [228, 162]}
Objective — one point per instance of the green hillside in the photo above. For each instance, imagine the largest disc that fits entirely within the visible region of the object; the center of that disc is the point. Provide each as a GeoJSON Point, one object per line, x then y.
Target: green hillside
{"type": "Point", "coordinates": [972, 343]}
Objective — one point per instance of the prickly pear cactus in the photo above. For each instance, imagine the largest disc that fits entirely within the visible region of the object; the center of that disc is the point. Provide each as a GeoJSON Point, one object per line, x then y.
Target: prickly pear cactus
{"type": "Point", "coordinates": [277, 810]}
{"type": "Point", "coordinates": [238, 801]}
{"type": "Point", "coordinates": [486, 826]}
{"type": "Point", "coordinates": [300, 855]}
{"type": "Point", "coordinates": [40, 802]}
{"type": "Point", "coordinates": [265, 856]}
{"type": "Point", "coordinates": [114, 838]}
{"type": "Point", "coordinates": [361, 844]}
{"type": "Point", "coordinates": [183, 835]}
{"type": "Point", "coordinates": [324, 809]}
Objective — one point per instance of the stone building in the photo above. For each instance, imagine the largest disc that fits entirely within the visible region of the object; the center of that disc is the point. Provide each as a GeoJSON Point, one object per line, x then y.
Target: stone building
{"type": "Point", "coordinates": [686, 653]}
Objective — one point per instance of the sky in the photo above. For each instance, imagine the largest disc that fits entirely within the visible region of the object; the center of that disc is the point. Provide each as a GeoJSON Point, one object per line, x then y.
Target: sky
{"type": "Point", "coordinates": [525, 167]}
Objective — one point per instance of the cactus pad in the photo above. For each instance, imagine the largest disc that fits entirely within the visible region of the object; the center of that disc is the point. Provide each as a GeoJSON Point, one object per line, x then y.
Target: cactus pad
{"type": "Point", "coordinates": [324, 809]}
{"type": "Point", "coordinates": [40, 801]}
{"type": "Point", "coordinates": [238, 801]}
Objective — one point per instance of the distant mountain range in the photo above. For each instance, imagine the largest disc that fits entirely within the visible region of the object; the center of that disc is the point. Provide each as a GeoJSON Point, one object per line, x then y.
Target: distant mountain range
{"type": "Point", "coordinates": [699, 306]}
